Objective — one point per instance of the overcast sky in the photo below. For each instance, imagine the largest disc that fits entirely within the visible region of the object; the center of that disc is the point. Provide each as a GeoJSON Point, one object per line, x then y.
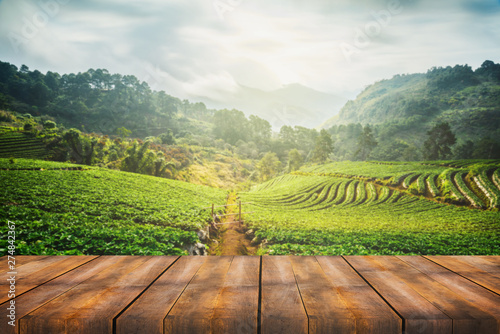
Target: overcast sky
{"type": "Point", "coordinates": [209, 47]}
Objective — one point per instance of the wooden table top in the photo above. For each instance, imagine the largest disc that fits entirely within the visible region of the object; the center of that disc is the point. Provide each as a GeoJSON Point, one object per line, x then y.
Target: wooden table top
{"type": "Point", "coordinates": [269, 294]}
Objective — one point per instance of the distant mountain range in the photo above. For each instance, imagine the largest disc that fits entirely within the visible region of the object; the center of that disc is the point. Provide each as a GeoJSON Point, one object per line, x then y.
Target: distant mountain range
{"type": "Point", "coordinates": [293, 104]}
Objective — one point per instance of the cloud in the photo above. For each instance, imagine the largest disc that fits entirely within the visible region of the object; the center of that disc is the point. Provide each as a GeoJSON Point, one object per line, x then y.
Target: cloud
{"type": "Point", "coordinates": [186, 49]}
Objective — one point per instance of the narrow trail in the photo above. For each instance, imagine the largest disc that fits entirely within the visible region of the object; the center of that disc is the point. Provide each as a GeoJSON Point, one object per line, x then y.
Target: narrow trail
{"type": "Point", "coordinates": [232, 239]}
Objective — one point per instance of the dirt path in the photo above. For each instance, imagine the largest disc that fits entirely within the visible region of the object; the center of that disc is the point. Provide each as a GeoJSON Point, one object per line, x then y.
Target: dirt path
{"type": "Point", "coordinates": [232, 239]}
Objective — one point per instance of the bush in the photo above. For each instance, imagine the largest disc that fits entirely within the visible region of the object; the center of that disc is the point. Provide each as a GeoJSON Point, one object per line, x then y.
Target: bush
{"type": "Point", "coordinates": [6, 116]}
{"type": "Point", "coordinates": [49, 125]}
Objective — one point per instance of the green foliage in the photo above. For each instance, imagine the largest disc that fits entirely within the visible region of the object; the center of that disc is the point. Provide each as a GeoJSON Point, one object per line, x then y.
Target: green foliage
{"type": "Point", "coordinates": [312, 214]}
{"type": "Point", "coordinates": [21, 145]}
{"type": "Point", "coordinates": [439, 141]}
{"type": "Point", "coordinates": [98, 211]}
{"type": "Point", "coordinates": [231, 126]}
{"type": "Point", "coordinates": [323, 147]}
{"type": "Point", "coordinates": [402, 109]}
{"type": "Point", "coordinates": [81, 147]}
{"type": "Point", "coordinates": [268, 166]}
{"type": "Point", "coordinates": [366, 143]}
{"type": "Point", "coordinates": [295, 160]}
{"type": "Point", "coordinates": [123, 132]}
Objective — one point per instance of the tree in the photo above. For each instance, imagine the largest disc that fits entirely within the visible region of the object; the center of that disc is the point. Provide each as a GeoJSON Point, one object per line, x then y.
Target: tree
{"type": "Point", "coordinates": [268, 166]}
{"type": "Point", "coordinates": [139, 158]}
{"type": "Point", "coordinates": [294, 160]}
{"type": "Point", "coordinates": [167, 138]}
{"type": "Point", "coordinates": [439, 141]}
{"type": "Point", "coordinates": [366, 143]}
{"type": "Point", "coordinates": [323, 147]}
{"type": "Point", "coordinates": [230, 125]}
{"type": "Point", "coordinates": [81, 147]}
{"type": "Point", "coordinates": [464, 150]}
{"type": "Point", "coordinates": [487, 148]}
{"type": "Point", "coordinates": [123, 132]}
{"type": "Point", "coordinates": [261, 129]}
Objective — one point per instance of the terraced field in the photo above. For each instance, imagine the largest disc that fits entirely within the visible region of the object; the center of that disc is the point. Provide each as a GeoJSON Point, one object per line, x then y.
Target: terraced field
{"type": "Point", "coordinates": [361, 208]}
{"type": "Point", "coordinates": [21, 145]}
{"type": "Point", "coordinates": [465, 182]}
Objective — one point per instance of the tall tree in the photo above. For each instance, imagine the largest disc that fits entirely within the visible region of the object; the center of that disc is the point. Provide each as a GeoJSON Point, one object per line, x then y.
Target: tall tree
{"type": "Point", "coordinates": [439, 141]}
{"type": "Point", "coordinates": [295, 160]}
{"type": "Point", "coordinates": [268, 166]}
{"type": "Point", "coordinates": [366, 143]}
{"type": "Point", "coordinates": [230, 125]}
{"type": "Point", "coordinates": [323, 147]}
{"type": "Point", "coordinates": [261, 129]}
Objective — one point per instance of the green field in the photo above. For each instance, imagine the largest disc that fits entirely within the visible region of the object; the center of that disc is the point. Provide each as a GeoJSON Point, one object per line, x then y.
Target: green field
{"type": "Point", "coordinates": [378, 208]}
{"type": "Point", "coordinates": [339, 208]}
{"type": "Point", "coordinates": [61, 210]}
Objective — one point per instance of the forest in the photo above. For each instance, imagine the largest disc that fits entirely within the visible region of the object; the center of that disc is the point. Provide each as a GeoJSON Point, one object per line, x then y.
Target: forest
{"type": "Point", "coordinates": [116, 121]}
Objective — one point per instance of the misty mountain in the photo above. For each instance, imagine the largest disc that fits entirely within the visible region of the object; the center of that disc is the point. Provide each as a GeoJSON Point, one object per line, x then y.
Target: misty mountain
{"type": "Point", "coordinates": [467, 99]}
{"type": "Point", "coordinates": [293, 104]}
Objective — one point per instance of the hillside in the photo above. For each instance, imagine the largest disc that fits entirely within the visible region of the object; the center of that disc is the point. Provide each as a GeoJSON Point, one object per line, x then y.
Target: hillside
{"type": "Point", "coordinates": [456, 93]}
{"type": "Point", "coordinates": [392, 119]}
{"type": "Point", "coordinates": [364, 208]}
{"type": "Point", "coordinates": [62, 208]}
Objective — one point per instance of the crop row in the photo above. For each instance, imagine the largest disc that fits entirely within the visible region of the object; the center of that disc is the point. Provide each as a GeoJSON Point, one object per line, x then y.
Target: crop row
{"type": "Point", "coordinates": [19, 145]}
{"type": "Point", "coordinates": [118, 203]}
{"type": "Point", "coordinates": [369, 219]}
{"type": "Point", "coordinates": [488, 188]}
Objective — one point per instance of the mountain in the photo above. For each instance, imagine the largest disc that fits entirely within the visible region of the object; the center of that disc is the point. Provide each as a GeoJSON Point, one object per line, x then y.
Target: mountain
{"type": "Point", "coordinates": [292, 104]}
{"type": "Point", "coordinates": [467, 99]}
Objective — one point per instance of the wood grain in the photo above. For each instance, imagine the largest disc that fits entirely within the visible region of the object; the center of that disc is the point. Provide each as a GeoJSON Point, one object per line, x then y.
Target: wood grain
{"type": "Point", "coordinates": [282, 294]}
{"type": "Point", "coordinates": [147, 313]}
{"type": "Point", "coordinates": [479, 271]}
{"type": "Point", "coordinates": [470, 291]}
{"type": "Point", "coordinates": [282, 308]}
{"type": "Point", "coordinates": [238, 302]}
{"type": "Point", "coordinates": [36, 298]}
{"type": "Point", "coordinates": [467, 318]}
{"type": "Point", "coordinates": [91, 306]}
{"type": "Point", "coordinates": [372, 313]}
{"type": "Point", "coordinates": [35, 273]}
{"type": "Point", "coordinates": [419, 315]}
{"type": "Point", "coordinates": [193, 312]}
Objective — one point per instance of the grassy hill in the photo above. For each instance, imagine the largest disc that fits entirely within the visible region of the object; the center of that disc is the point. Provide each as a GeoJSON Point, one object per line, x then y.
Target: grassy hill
{"type": "Point", "coordinates": [379, 208]}
{"type": "Point", "coordinates": [61, 208]}
{"type": "Point", "coordinates": [406, 106]}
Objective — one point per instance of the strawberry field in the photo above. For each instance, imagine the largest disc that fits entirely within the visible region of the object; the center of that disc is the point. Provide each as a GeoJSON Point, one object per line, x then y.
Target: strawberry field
{"type": "Point", "coordinates": [63, 209]}
{"type": "Point", "coordinates": [374, 208]}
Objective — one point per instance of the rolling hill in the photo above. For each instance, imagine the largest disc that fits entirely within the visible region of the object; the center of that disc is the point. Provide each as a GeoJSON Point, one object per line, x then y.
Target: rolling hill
{"type": "Point", "coordinates": [469, 100]}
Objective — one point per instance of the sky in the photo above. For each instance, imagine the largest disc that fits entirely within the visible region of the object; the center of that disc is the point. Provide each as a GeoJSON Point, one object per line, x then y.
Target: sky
{"type": "Point", "coordinates": [209, 48]}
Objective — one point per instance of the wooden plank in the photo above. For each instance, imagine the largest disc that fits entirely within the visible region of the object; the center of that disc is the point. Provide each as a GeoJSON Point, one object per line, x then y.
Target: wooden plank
{"type": "Point", "coordinates": [372, 313]}
{"type": "Point", "coordinates": [147, 313]}
{"type": "Point", "coordinates": [37, 297]}
{"type": "Point", "coordinates": [419, 315]}
{"type": "Point", "coordinates": [38, 272]}
{"type": "Point", "coordinates": [472, 269]}
{"type": "Point", "coordinates": [485, 263]}
{"type": "Point", "coordinates": [467, 318]}
{"type": "Point", "coordinates": [495, 259]}
{"type": "Point", "coordinates": [282, 310]}
{"type": "Point", "coordinates": [91, 306]}
{"type": "Point", "coordinates": [193, 311]}
{"type": "Point", "coordinates": [238, 303]}
{"type": "Point", "coordinates": [20, 260]}
{"type": "Point", "coordinates": [480, 297]}
{"type": "Point", "coordinates": [326, 310]}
